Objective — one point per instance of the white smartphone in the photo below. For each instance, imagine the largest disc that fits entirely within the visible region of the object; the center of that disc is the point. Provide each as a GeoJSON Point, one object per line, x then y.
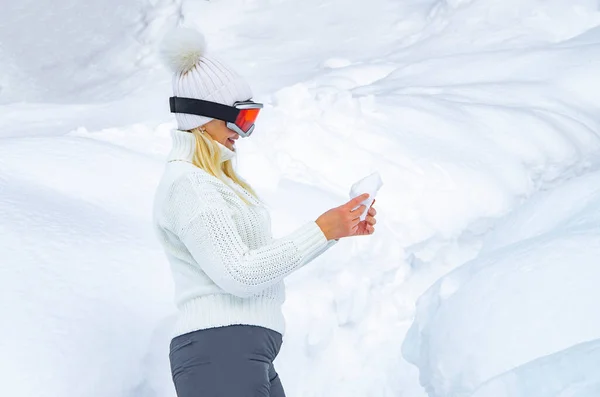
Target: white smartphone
{"type": "Point", "coordinates": [369, 184]}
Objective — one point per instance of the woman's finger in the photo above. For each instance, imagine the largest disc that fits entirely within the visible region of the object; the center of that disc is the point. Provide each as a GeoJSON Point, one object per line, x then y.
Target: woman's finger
{"type": "Point", "coordinates": [358, 212]}
{"type": "Point", "coordinates": [370, 220]}
{"type": "Point", "coordinates": [372, 211]}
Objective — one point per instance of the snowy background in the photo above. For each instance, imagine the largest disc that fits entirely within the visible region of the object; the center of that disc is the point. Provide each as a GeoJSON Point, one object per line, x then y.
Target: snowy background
{"type": "Point", "coordinates": [480, 115]}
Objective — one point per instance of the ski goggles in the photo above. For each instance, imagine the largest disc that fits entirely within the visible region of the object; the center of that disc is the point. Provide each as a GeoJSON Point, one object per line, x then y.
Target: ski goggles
{"type": "Point", "coordinates": [240, 117]}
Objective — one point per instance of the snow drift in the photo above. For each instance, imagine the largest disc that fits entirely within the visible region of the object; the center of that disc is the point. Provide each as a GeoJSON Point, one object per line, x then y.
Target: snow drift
{"type": "Point", "coordinates": [517, 301]}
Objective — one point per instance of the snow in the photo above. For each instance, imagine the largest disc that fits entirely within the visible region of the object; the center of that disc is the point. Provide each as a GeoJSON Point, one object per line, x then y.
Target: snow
{"type": "Point", "coordinates": [480, 116]}
{"type": "Point", "coordinates": [569, 373]}
{"type": "Point", "coordinates": [522, 298]}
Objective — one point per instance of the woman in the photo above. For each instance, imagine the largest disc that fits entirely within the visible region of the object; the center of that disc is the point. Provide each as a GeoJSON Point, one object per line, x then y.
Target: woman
{"type": "Point", "coordinates": [227, 268]}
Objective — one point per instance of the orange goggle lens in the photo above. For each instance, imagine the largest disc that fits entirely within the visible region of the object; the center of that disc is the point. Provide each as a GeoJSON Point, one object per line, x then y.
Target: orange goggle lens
{"type": "Point", "coordinates": [246, 118]}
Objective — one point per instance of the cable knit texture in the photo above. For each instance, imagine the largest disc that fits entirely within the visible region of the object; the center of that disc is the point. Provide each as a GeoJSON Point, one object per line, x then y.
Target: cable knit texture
{"type": "Point", "coordinates": [227, 267]}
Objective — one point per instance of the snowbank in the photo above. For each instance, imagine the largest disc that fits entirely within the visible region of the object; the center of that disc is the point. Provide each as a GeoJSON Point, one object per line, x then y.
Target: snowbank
{"type": "Point", "coordinates": [524, 300]}
{"type": "Point", "coordinates": [569, 373]}
{"type": "Point", "coordinates": [60, 51]}
{"type": "Point", "coordinates": [83, 282]}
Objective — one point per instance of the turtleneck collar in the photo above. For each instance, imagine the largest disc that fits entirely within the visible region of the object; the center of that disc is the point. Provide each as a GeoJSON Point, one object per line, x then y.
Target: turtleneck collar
{"type": "Point", "coordinates": [184, 145]}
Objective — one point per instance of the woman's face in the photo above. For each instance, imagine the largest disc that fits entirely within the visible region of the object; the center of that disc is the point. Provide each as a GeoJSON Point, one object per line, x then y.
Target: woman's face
{"type": "Point", "coordinates": [218, 130]}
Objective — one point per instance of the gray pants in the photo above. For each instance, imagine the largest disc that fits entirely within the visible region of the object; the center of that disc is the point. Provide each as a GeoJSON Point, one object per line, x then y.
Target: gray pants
{"type": "Point", "coordinates": [232, 361]}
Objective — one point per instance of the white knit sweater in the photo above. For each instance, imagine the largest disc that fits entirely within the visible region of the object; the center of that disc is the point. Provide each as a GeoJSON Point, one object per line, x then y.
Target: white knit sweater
{"type": "Point", "coordinates": [226, 266]}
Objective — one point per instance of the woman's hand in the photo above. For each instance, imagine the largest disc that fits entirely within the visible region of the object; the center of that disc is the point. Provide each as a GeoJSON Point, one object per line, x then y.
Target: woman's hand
{"type": "Point", "coordinates": [368, 225]}
{"type": "Point", "coordinates": [342, 221]}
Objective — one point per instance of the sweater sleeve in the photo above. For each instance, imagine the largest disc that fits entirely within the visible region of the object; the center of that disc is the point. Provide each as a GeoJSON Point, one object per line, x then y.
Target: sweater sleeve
{"type": "Point", "coordinates": [211, 237]}
{"type": "Point", "coordinates": [329, 244]}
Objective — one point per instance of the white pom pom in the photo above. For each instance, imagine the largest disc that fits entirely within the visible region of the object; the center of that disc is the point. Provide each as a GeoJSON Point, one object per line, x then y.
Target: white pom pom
{"type": "Point", "coordinates": [181, 49]}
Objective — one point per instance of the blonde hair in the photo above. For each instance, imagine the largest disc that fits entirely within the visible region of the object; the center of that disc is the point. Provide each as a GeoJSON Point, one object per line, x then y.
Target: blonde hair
{"type": "Point", "coordinates": [207, 156]}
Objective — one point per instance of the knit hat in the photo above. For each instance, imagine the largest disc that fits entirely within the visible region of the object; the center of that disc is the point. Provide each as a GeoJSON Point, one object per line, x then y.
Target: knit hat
{"type": "Point", "coordinates": [198, 76]}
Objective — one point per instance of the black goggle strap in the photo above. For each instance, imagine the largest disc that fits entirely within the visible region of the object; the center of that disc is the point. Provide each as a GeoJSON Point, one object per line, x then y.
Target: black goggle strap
{"type": "Point", "coordinates": [200, 107]}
